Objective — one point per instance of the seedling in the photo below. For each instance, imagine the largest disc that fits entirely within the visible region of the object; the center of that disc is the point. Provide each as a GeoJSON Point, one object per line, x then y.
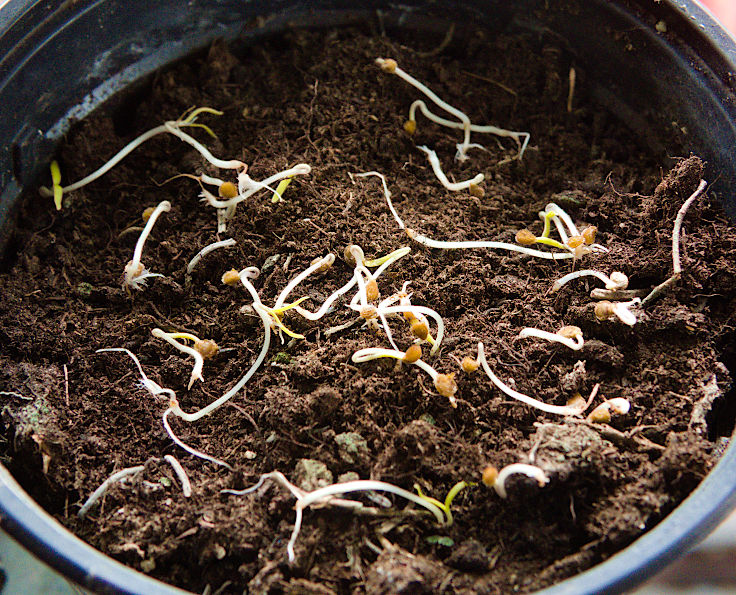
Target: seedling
{"type": "Point", "coordinates": [605, 310]}
{"type": "Point", "coordinates": [444, 383]}
{"type": "Point", "coordinates": [206, 250]}
{"type": "Point", "coordinates": [410, 126]}
{"type": "Point", "coordinates": [319, 265]}
{"type": "Point", "coordinates": [493, 245]}
{"type": "Point", "coordinates": [603, 413]}
{"type": "Point", "coordinates": [135, 274]}
{"type": "Point", "coordinates": [676, 264]}
{"type": "Point", "coordinates": [390, 66]}
{"type": "Point", "coordinates": [325, 497]}
{"type": "Point", "coordinates": [496, 479]}
{"type": "Point", "coordinates": [575, 407]}
{"type": "Point", "coordinates": [569, 336]}
{"type": "Point", "coordinates": [247, 186]}
{"type": "Point", "coordinates": [581, 243]}
{"type": "Point", "coordinates": [434, 161]}
{"type": "Point", "coordinates": [105, 485]}
{"type": "Point", "coordinates": [386, 194]}
{"type": "Point", "coordinates": [172, 127]}
{"type": "Point", "coordinates": [200, 350]}
{"type": "Point", "coordinates": [360, 271]}
{"type": "Point", "coordinates": [615, 282]}
{"type": "Point", "coordinates": [446, 506]}
{"type": "Point", "coordinates": [156, 390]}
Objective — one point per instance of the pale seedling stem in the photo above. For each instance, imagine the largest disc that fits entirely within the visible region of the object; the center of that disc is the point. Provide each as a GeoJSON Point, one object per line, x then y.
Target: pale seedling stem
{"type": "Point", "coordinates": [152, 387]}
{"type": "Point", "coordinates": [386, 194]}
{"type": "Point", "coordinates": [575, 410]}
{"type": "Point", "coordinates": [464, 245]}
{"type": "Point", "coordinates": [502, 132]}
{"type": "Point", "coordinates": [173, 408]}
{"type": "Point", "coordinates": [434, 161]}
{"type": "Point", "coordinates": [531, 471]}
{"type": "Point", "coordinates": [615, 282]}
{"type": "Point", "coordinates": [575, 343]}
{"type": "Point", "coordinates": [172, 127]}
{"type": "Point", "coordinates": [676, 264]}
{"type": "Point", "coordinates": [319, 265]}
{"type": "Point", "coordinates": [100, 491]}
{"type": "Point", "coordinates": [186, 486]}
{"type": "Point", "coordinates": [462, 148]}
{"type": "Point", "coordinates": [206, 250]}
{"type": "Point", "coordinates": [323, 495]}
{"type": "Point", "coordinates": [198, 359]}
{"type": "Point", "coordinates": [135, 274]}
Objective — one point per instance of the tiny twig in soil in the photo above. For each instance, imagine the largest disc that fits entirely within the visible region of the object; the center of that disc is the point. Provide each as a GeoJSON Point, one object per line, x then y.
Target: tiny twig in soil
{"type": "Point", "coordinates": [100, 491]}
{"type": "Point", "coordinates": [186, 486]}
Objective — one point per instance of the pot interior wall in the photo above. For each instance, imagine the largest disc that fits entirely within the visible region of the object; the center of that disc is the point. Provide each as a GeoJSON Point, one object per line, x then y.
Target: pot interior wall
{"type": "Point", "coordinates": [82, 53]}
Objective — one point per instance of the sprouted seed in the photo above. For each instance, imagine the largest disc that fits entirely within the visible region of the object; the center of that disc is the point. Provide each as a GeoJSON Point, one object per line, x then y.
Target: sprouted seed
{"type": "Point", "coordinates": [135, 274]}
{"type": "Point", "coordinates": [390, 66]}
{"type": "Point", "coordinates": [605, 310]}
{"type": "Point", "coordinates": [172, 127]}
{"type": "Point", "coordinates": [247, 186]}
{"type": "Point", "coordinates": [465, 245]}
{"type": "Point", "coordinates": [496, 479]}
{"type": "Point", "coordinates": [445, 506]}
{"type": "Point", "coordinates": [570, 336]}
{"type": "Point", "coordinates": [616, 281]}
{"type": "Point", "coordinates": [197, 354]}
{"type": "Point", "coordinates": [410, 126]}
{"type": "Point", "coordinates": [603, 413]}
{"type": "Point", "coordinates": [155, 390]}
{"type": "Point", "coordinates": [676, 264]}
{"type": "Point", "coordinates": [325, 497]}
{"type": "Point", "coordinates": [575, 408]}
{"type": "Point", "coordinates": [444, 383]}
{"type": "Point", "coordinates": [434, 161]}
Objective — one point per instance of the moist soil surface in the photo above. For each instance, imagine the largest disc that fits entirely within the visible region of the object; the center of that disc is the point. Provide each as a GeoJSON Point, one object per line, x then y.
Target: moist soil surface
{"type": "Point", "coordinates": [309, 411]}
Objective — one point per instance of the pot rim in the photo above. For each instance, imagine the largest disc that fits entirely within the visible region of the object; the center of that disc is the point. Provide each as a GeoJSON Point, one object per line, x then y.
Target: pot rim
{"type": "Point", "coordinates": [24, 520]}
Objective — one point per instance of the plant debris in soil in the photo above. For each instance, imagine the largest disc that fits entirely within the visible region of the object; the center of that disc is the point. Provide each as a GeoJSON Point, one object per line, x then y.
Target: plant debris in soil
{"type": "Point", "coordinates": [310, 411]}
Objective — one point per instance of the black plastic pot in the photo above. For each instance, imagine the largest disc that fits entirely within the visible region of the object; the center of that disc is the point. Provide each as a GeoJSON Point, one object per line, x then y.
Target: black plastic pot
{"type": "Point", "coordinates": [59, 60]}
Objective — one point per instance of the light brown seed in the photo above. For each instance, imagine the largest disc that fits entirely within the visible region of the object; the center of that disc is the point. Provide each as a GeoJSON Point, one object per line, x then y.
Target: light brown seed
{"type": "Point", "coordinates": [575, 241]}
{"type": "Point", "coordinates": [489, 476]}
{"type": "Point", "coordinates": [469, 364]}
{"type": "Point", "coordinates": [570, 332]}
{"type": "Point", "coordinates": [371, 290]}
{"type": "Point", "coordinates": [231, 277]}
{"type": "Point", "coordinates": [419, 329]}
{"type": "Point", "coordinates": [389, 65]}
{"type": "Point", "coordinates": [589, 234]}
{"type": "Point", "coordinates": [604, 310]}
{"type": "Point", "coordinates": [413, 354]}
{"type": "Point", "coordinates": [207, 348]}
{"type": "Point", "coordinates": [410, 127]}
{"type": "Point", "coordinates": [446, 385]}
{"type": "Point", "coordinates": [525, 237]}
{"type": "Point", "coordinates": [147, 213]}
{"type": "Point", "coordinates": [476, 191]}
{"type": "Point", "coordinates": [228, 190]}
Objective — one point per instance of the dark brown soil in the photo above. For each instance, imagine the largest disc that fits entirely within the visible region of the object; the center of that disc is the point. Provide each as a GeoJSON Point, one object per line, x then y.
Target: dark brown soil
{"type": "Point", "coordinates": [318, 98]}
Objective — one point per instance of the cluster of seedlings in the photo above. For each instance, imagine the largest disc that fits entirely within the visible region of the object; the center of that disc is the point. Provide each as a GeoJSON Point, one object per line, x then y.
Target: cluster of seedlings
{"type": "Point", "coordinates": [381, 315]}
